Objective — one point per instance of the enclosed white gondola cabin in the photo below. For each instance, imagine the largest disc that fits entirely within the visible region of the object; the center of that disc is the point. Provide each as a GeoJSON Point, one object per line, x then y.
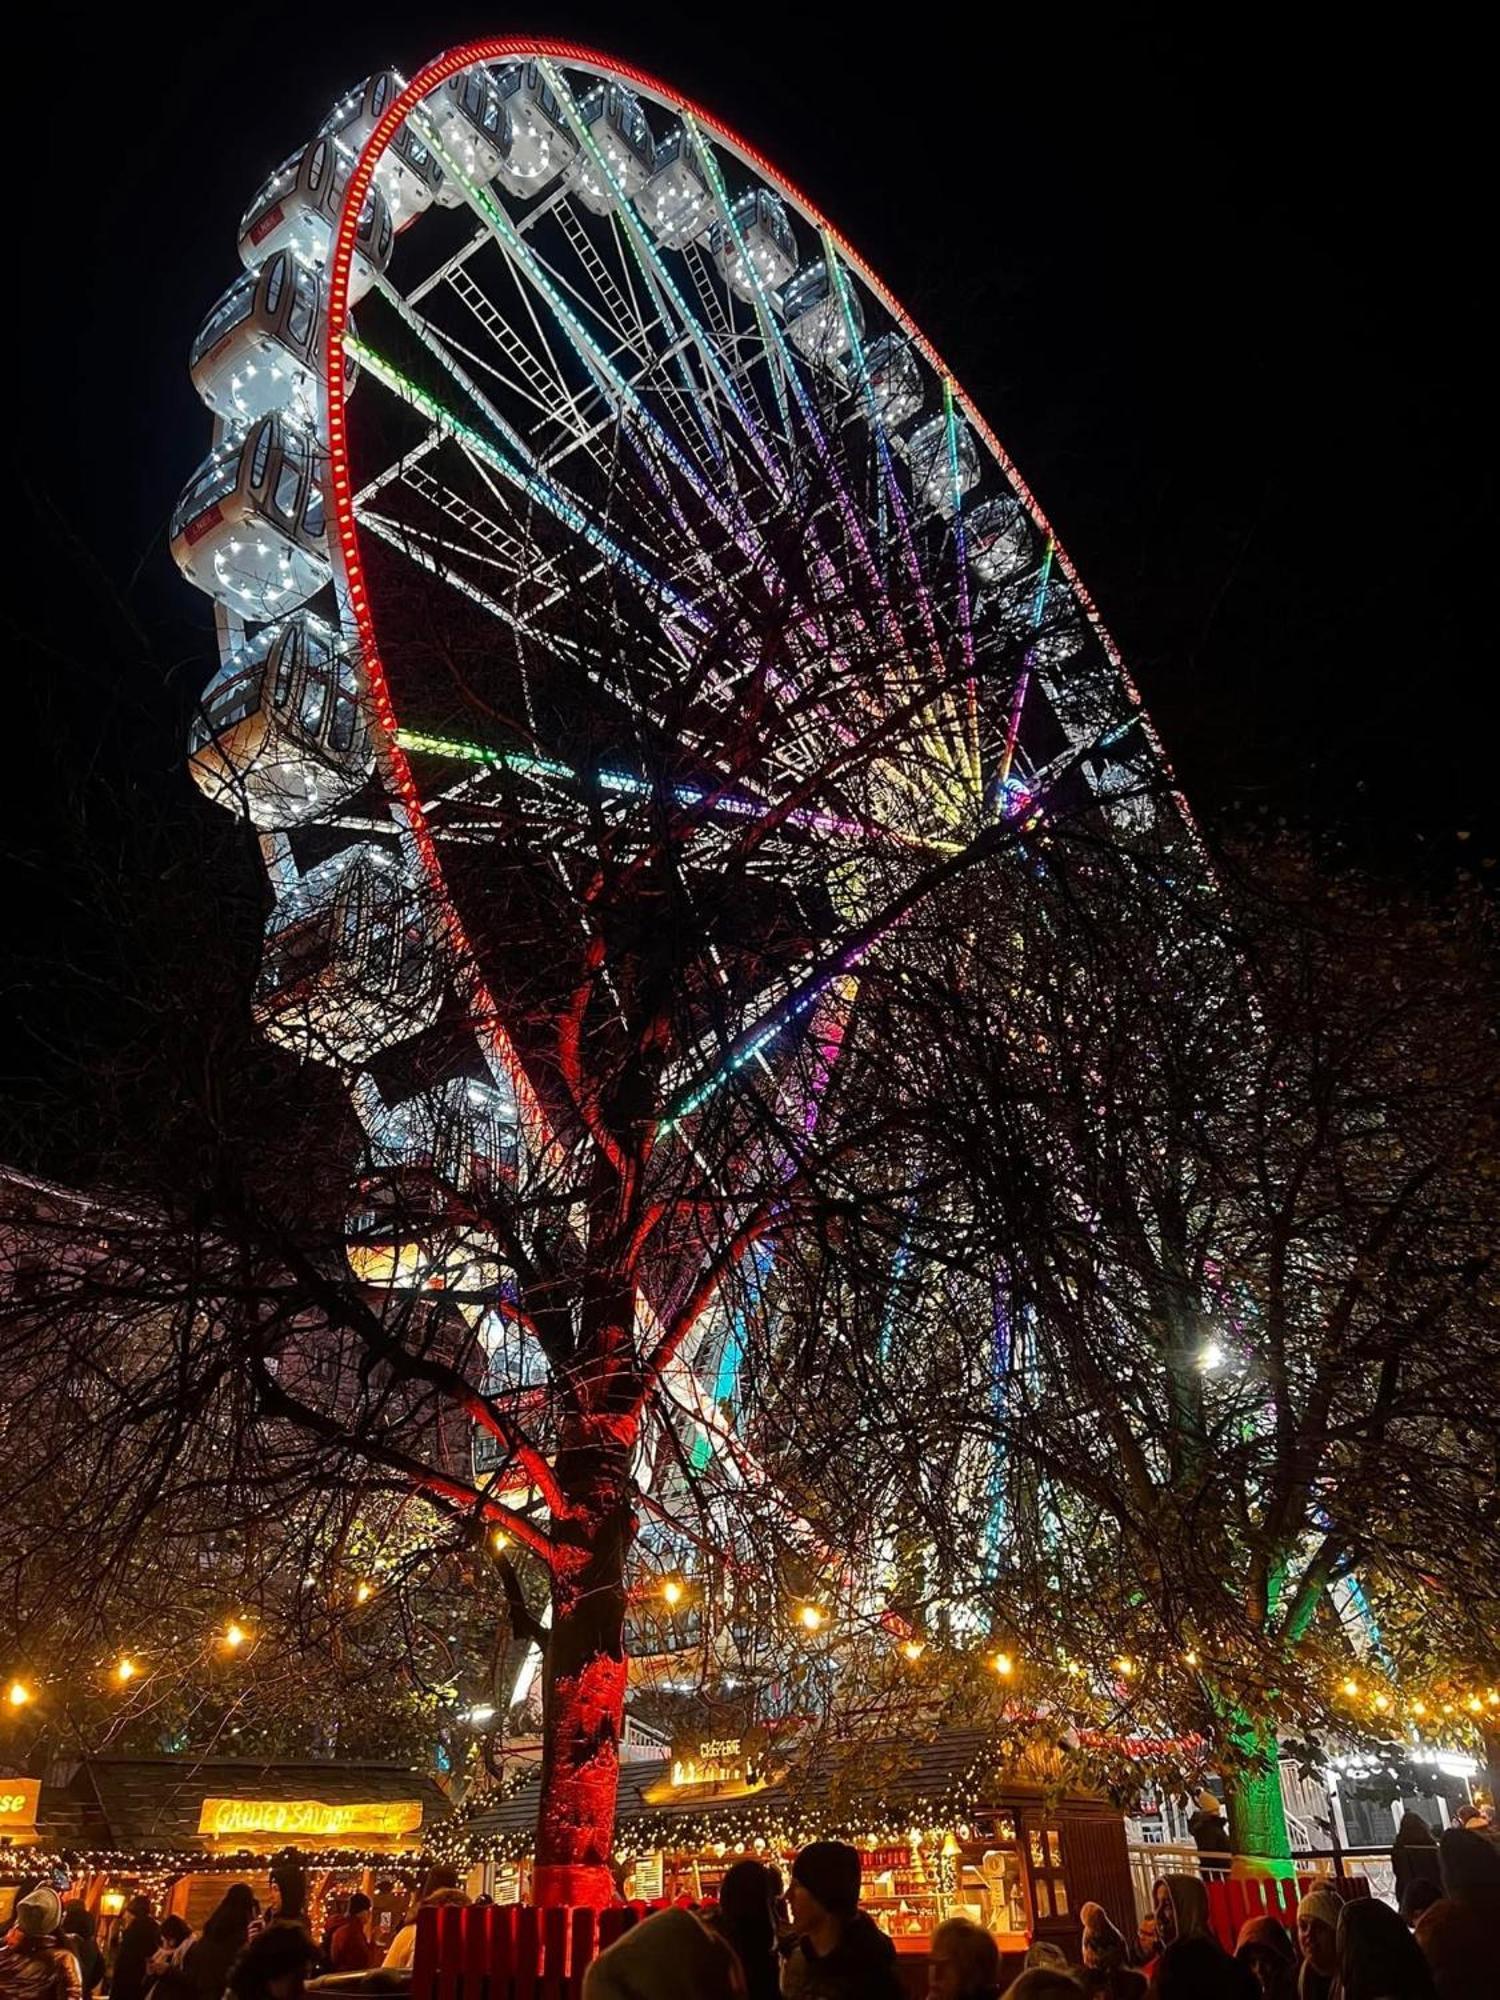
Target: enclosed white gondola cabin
{"type": "Point", "coordinates": [944, 465]}
{"type": "Point", "coordinates": [817, 322]}
{"type": "Point", "coordinates": [541, 146]}
{"type": "Point", "coordinates": [676, 204]}
{"type": "Point", "coordinates": [999, 539]}
{"type": "Point", "coordinates": [757, 239]}
{"type": "Point", "coordinates": [894, 376]}
{"type": "Point", "coordinates": [250, 528]}
{"type": "Point", "coordinates": [436, 1162]}
{"type": "Point", "coordinates": [469, 120]}
{"type": "Point", "coordinates": [279, 735]}
{"type": "Point", "coordinates": [260, 349]}
{"type": "Point", "coordinates": [617, 126]}
{"type": "Point", "coordinates": [298, 210]}
{"type": "Point", "coordinates": [407, 172]}
{"type": "Point", "coordinates": [350, 965]}
{"type": "Point", "coordinates": [1046, 617]}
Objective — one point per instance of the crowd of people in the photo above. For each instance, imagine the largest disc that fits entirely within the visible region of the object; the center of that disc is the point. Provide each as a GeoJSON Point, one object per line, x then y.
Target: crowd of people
{"type": "Point", "coordinates": [811, 1940]}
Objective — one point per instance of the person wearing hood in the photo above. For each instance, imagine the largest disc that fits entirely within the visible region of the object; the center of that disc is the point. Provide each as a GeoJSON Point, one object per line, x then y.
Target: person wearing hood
{"type": "Point", "coordinates": [34, 1963]}
{"type": "Point", "coordinates": [1460, 1933]}
{"type": "Point", "coordinates": [1379, 1959]}
{"type": "Point", "coordinates": [1317, 1933]}
{"type": "Point", "coordinates": [1179, 1909]}
{"type": "Point", "coordinates": [671, 1956]}
{"type": "Point", "coordinates": [838, 1952]}
{"type": "Point", "coordinates": [1414, 1853]}
{"type": "Point", "coordinates": [1266, 1949]}
{"type": "Point", "coordinates": [77, 1932]}
{"type": "Point", "coordinates": [136, 1946]}
{"type": "Point", "coordinates": [1105, 1972]}
{"type": "Point", "coordinates": [1210, 1831]}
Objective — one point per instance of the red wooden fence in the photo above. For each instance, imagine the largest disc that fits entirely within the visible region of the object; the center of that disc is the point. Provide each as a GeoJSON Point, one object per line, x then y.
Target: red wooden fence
{"type": "Point", "coordinates": [510, 1951]}
{"type": "Point", "coordinates": [1231, 1902]}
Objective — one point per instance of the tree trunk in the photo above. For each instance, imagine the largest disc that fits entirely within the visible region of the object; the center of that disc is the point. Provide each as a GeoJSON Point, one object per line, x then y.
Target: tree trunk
{"type": "Point", "coordinates": [585, 1672]}
{"type": "Point", "coordinates": [1257, 1815]}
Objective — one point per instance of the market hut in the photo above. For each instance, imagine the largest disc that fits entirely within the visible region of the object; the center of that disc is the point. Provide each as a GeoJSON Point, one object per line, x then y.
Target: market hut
{"type": "Point", "coordinates": [944, 1826]}
{"type": "Point", "coordinates": [179, 1829]}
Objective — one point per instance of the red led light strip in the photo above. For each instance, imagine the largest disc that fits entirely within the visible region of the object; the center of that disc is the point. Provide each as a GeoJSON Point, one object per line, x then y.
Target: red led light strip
{"type": "Point", "coordinates": [345, 545]}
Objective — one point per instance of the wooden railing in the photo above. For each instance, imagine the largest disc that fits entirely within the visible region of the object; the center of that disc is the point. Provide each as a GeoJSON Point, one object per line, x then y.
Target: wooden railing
{"type": "Point", "coordinates": [510, 1951]}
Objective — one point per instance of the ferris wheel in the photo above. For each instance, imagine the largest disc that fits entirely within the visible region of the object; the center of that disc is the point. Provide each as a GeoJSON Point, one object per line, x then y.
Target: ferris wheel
{"type": "Point", "coordinates": [617, 400]}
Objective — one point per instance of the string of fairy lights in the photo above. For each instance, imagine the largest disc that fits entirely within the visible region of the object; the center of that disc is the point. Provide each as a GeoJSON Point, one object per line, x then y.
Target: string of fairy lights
{"type": "Point", "coordinates": [1374, 1701]}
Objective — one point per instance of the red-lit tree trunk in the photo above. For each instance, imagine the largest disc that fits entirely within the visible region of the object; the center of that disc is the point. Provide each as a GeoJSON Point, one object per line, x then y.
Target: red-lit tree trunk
{"type": "Point", "coordinates": [585, 1671]}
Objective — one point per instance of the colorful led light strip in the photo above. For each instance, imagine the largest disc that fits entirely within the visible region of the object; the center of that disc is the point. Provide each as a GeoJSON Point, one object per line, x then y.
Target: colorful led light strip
{"type": "Point", "coordinates": [965, 624]}
{"type": "Point", "coordinates": [532, 484]}
{"type": "Point", "coordinates": [1023, 681]}
{"type": "Point", "coordinates": [632, 782]}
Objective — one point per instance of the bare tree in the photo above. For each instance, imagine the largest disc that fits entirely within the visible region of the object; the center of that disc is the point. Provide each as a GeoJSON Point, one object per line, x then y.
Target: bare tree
{"type": "Point", "coordinates": [1181, 1383]}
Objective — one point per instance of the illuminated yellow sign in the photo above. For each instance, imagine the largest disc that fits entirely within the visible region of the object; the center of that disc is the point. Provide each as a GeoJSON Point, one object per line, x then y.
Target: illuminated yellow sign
{"type": "Point", "coordinates": [719, 1767]}
{"type": "Point", "coordinates": [18, 1803]}
{"type": "Point", "coordinates": [310, 1818]}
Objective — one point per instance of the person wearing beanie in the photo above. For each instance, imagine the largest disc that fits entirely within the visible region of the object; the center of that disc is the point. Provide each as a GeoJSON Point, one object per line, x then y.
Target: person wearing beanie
{"type": "Point", "coordinates": [1210, 1831]}
{"type": "Point", "coordinates": [671, 1956]}
{"type": "Point", "coordinates": [1317, 1932]}
{"type": "Point", "coordinates": [1105, 1972]}
{"type": "Point", "coordinates": [34, 1965]}
{"type": "Point", "coordinates": [837, 1952]}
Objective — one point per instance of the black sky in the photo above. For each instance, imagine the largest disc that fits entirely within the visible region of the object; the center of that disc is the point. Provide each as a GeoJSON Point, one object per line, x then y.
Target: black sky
{"type": "Point", "coordinates": [1219, 279]}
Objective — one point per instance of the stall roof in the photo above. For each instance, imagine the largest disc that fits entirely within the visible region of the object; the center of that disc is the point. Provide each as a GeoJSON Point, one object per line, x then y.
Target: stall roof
{"type": "Point", "coordinates": [849, 1787]}
{"type": "Point", "coordinates": [139, 1803]}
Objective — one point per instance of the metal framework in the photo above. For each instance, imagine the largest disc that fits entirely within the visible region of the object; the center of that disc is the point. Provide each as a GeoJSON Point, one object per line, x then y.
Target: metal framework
{"type": "Point", "coordinates": [614, 355]}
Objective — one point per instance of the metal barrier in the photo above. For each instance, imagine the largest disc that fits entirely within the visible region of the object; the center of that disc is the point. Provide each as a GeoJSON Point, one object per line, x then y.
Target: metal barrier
{"type": "Point", "coordinates": [1369, 1867]}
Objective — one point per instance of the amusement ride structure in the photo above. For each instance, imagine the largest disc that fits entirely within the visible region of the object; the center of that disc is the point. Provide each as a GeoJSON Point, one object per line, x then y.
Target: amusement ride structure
{"type": "Point", "coordinates": [575, 487]}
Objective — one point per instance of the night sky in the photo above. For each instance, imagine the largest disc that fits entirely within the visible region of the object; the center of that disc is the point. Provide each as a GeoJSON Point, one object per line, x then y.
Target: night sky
{"type": "Point", "coordinates": [1217, 281]}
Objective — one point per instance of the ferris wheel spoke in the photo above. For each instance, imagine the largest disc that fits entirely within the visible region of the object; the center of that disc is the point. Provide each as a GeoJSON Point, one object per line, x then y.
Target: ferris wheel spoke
{"type": "Point", "coordinates": [650, 259]}
{"type": "Point", "coordinates": [774, 338]}
{"type": "Point", "coordinates": [537, 488]}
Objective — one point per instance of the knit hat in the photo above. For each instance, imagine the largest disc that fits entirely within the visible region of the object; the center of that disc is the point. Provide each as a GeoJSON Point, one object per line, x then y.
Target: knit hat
{"type": "Point", "coordinates": [1209, 1804]}
{"type": "Point", "coordinates": [829, 1872]}
{"type": "Point", "coordinates": [39, 1913]}
{"type": "Point", "coordinates": [1320, 1906]}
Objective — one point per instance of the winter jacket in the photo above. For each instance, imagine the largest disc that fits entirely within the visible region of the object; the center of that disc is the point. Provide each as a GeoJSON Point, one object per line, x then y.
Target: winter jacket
{"type": "Point", "coordinates": [206, 1963]}
{"type": "Point", "coordinates": [861, 1966]}
{"type": "Point", "coordinates": [756, 1952]}
{"type": "Point", "coordinates": [1210, 1836]}
{"type": "Point", "coordinates": [38, 1969]}
{"type": "Point", "coordinates": [139, 1942]}
{"type": "Point", "coordinates": [350, 1949]}
{"type": "Point", "coordinates": [1414, 1861]}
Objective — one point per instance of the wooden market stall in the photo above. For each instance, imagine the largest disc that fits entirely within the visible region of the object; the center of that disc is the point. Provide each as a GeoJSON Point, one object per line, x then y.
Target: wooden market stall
{"type": "Point", "coordinates": [180, 1829]}
{"type": "Point", "coordinates": [943, 1828]}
